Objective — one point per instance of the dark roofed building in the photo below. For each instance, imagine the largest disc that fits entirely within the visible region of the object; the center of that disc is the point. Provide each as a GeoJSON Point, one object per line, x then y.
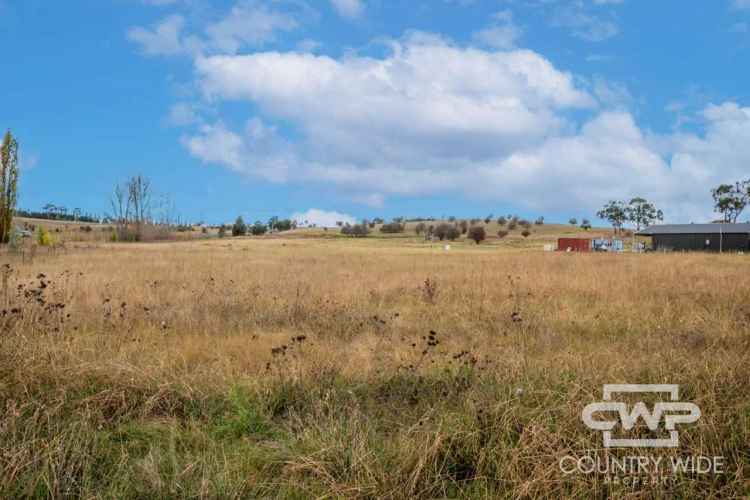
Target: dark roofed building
{"type": "Point", "coordinates": [706, 237]}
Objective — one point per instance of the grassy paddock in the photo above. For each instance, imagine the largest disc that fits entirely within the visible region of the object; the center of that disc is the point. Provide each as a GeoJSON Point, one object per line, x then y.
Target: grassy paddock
{"type": "Point", "coordinates": [333, 368]}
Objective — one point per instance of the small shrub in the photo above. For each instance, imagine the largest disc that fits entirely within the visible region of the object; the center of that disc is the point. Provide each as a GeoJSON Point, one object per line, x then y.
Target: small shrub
{"type": "Point", "coordinates": [478, 234]}
{"type": "Point", "coordinates": [429, 291]}
{"type": "Point", "coordinates": [512, 225]}
{"type": "Point", "coordinates": [356, 231]}
{"type": "Point", "coordinates": [243, 419]}
{"type": "Point", "coordinates": [222, 231]}
{"type": "Point", "coordinates": [239, 228]}
{"type": "Point", "coordinates": [284, 225]}
{"type": "Point", "coordinates": [447, 231]}
{"type": "Point", "coordinates": [259, 229]}
{"type": "Point", "coordinates": [501, 221]}
{"type": "Point", "coordinates": [392, 228]}
{"type": "Point", "coordinates": [43, 237]}
{"type": "Point", "coordinates": [525, 233]}
{"type": "Point", "coordinates": [502, 234]}
{"type": "Point", "coordinates": [441, 230]}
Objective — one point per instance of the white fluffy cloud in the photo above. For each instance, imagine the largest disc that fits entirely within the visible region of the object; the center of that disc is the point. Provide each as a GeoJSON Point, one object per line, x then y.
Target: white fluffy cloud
{"type": "Point", "coordinates": [426, 97]}
{"type": "Point", "coordinates": [321, 218]}
{"type": "Point", "coordinates": [583, 24]}
{"type": "Point", "coordinates": [249, 23]}
{"type": "Point", "coordinates": [351, 9]}
{"type": "Point", "coordinates": [160, 2]}
{"type": "Point", "coordinates": [163, 39]}
{"type": "Point", "coordinates": [182, 114]}
{"type": "Point", "coordinates": [503, 33]}
{"type": "Point", "coordinates": [434, 118]}
{"type": "Point", "coordinates": [257, 150]}
{"type": "Point", "coordinates": [415, 122]}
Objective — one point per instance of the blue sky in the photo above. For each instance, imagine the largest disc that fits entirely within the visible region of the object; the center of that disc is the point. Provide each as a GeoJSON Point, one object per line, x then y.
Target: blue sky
{"type": "Point", "coordinates": [379, 108]}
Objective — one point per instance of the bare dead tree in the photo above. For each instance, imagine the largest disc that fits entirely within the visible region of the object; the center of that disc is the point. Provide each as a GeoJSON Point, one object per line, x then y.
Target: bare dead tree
{"type": "Point", "coordinates": [120, 203]}
{"type": "Point", "coordinates": [131, 207]}
{"type": "Point", "coordinates": [139, 195]}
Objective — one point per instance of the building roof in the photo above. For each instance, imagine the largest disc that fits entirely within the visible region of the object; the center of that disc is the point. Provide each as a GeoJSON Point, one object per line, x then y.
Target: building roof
{"type": "Point", "coordinates": [696, 229]}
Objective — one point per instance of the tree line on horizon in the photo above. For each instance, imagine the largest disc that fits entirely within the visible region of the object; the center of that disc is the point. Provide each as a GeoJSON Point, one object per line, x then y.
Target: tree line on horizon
{"type": "Point", "coordinates": [132, 215]}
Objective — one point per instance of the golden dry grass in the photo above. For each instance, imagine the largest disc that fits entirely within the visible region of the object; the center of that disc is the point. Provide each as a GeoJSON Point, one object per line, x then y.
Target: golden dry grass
{"type": "Point", "coordinates": [291, 367]}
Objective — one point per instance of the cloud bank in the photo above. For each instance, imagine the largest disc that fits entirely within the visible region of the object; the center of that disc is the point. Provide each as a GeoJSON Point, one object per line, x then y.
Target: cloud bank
{"type": "Point", "coordinates": [434, 118]}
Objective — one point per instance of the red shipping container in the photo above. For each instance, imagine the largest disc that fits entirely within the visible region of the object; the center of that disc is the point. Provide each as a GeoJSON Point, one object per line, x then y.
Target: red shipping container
{"type": "Point", "coordinates": [574, 244]}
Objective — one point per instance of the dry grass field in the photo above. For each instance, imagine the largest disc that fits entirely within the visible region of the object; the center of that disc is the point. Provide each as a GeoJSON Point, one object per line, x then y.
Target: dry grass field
{"type": "Point", "coordinates": [375, 368]}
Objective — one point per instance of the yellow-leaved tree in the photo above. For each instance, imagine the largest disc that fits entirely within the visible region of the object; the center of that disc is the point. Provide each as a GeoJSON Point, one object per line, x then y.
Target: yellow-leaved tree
{"type": "Point", "coordinates": [8, 184]}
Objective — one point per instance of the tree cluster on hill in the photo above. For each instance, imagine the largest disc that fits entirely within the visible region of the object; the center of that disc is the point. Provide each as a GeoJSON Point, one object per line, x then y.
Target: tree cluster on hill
{"type": "Point", "coordinates": [393, 227]}
{"type": "Point", "coordinates": [258, 229]}
{"type": "Point", "coordinates": [730, 200]}
{"type": "Point", "coordinates": [280, 225]}
{"type": "Point", "coordinates": [446, 231]}
{"type": "Point", "coordinates": [356, 230]}
{"type": "Point", "coordinates": [75, 216]}
{"type": "Point", "coordinates": [478, 234]}
{"type": "Point", "coordinates": [239, 228]}
{"type": "Point", "coordinates": [638, 211]}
